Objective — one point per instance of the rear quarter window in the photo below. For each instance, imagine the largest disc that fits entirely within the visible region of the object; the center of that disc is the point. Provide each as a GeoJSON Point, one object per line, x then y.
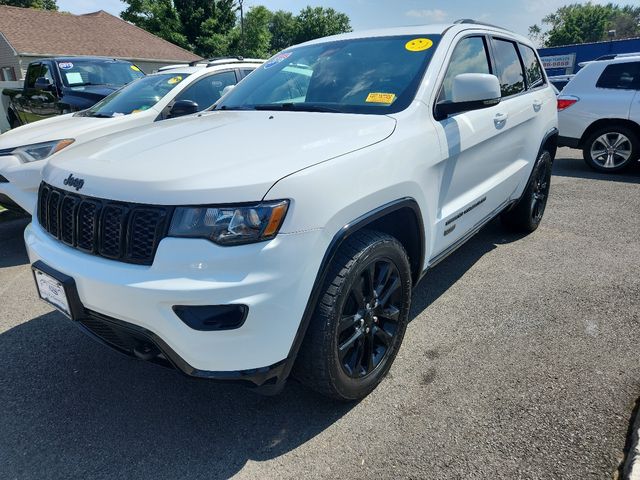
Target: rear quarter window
{"type": "Point", "coordinates": [620, 76]}
{"type": "Point", "coordinates": [532, 67]}
{"type": "Point", "coordinates": [509, 67]}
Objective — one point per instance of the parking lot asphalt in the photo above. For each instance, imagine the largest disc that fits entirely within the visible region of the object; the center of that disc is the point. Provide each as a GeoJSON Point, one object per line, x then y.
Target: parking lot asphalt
{"type": "Point", "coordinates": [521, 361]}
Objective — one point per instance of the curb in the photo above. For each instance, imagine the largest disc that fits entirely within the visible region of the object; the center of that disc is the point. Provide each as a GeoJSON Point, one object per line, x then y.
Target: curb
{"type": "Point", "coordinates": [632, 467]}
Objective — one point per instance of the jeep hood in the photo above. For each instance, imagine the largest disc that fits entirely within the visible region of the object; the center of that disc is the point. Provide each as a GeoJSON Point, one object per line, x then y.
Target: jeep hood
{"type": "Point", "coordinates": [216, 157]}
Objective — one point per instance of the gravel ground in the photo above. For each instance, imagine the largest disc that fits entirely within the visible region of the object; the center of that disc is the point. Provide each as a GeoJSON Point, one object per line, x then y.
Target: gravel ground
{"type": "Point", "coordinates": [521, 362]}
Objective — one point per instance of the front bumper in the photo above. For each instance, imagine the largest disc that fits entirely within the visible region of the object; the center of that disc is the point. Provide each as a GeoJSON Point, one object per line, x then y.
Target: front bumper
{"type": "Point", "coordinates": [274, 279]}
{"type": "Point", "coordinates": [23, 180]}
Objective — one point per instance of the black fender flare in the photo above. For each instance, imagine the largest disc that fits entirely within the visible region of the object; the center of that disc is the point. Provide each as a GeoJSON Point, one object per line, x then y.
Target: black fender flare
{"type": "Point", "coordinates": [338, 239]}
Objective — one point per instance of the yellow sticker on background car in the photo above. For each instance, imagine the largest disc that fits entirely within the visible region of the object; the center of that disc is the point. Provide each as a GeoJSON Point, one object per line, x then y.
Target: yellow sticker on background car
{"type": "Point", "coordinates": [133, 67]}
{"type": "Point", "coordinates": [419, 44]}
{"type": "Point", "coordinates": [174, 80]}
{"type": "Point", "coordinates": [386, 98]}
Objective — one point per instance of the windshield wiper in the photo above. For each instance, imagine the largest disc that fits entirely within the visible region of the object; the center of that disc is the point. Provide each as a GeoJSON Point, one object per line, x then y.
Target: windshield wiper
{"type": "Point", "coordinates": [100, 115]}
{"type": "Point", "coordinates": [297, 107]}
{"type": "Point", "coordinates": [224, 107]}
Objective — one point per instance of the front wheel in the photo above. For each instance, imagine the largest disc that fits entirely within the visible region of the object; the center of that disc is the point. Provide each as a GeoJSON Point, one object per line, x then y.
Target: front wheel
{"type": "Point", "coordinates": [611, 149]}
{"type": "Point", "coordinates": [527, 214]}
{"type": "Point", "coordinates": [360, 320]}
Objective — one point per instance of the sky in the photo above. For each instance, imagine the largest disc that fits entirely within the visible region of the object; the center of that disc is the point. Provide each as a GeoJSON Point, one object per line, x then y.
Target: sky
{"type": "Point", "coordinates": [516, 15]}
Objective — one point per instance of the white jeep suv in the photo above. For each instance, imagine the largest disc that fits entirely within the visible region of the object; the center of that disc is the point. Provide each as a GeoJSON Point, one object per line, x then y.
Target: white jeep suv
{"type": "Point", "coordinates": [283, 231]}
{"type": "Point", "coordinates": [599, 112]}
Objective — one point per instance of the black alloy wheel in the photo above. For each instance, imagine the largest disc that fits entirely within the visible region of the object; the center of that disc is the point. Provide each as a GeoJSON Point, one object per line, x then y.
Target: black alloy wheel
{"type": "Point", "coordinates": [369, 319]}
{"type": "Point", "coordinates": [360, 319]}
{"type": "Point", "coordinates": [526, 215]}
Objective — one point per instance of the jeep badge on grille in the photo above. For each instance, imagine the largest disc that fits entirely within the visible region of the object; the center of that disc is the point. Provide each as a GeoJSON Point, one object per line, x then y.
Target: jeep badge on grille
{"type": "Point", "coordinates": [76, 183]}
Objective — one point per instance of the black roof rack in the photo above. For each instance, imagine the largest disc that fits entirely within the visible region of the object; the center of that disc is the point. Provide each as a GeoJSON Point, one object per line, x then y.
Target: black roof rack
{"type": "Point", "coordinates": [208, 61]}
{"type": "Point", "coordinates": [471, 21]}
{"type": "Point", "coordinates": [612, 56]}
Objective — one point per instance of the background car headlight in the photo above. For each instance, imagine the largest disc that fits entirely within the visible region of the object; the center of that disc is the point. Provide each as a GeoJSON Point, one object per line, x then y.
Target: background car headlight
{"type": "Point", "coordinates": [40, 151]}
{"type": "Point", "coordinates": [230, 224]}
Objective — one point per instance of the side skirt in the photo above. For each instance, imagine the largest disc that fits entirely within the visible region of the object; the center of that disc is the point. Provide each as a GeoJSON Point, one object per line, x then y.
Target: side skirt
{"type": "Point", "coordinates": [477, 227]}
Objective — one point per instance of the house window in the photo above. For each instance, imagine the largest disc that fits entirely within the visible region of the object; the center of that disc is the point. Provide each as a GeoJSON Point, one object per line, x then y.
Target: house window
{"type": "Point", "coordinates": [7, 74]}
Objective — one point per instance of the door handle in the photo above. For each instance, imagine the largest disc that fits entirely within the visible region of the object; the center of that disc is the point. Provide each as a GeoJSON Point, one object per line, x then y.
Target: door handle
{"type": "Point", "coordinates": [537, 105]}
{"type": "Point", "coordinates": [500, 120]}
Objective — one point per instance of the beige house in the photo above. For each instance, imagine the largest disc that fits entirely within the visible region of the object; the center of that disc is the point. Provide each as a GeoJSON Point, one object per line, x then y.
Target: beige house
{"type": "Point", "coordinates": [28, 34]}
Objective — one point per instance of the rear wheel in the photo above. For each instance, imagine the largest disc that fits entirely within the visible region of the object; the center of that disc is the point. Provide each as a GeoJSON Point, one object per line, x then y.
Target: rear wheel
{"type": "Point", "coordinates": [611, 149]}
{"type": "Point", "coordinates": [360, 320]}
{"type": "Point", "coordinates": [527, 214]}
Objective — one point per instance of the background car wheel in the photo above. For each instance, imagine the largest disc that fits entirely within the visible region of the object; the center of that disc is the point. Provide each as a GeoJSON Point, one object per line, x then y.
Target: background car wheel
{"type": "Point", "coordinates": [527, 214]}
{"type": "Point", "coordinates": [611, 149]}
{"type": "Point", "coordinates": [360, 320]}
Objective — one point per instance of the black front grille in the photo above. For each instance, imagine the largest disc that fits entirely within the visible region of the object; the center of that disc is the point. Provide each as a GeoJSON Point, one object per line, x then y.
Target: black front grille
{"type": "Point", "coordinates": [125, 232]}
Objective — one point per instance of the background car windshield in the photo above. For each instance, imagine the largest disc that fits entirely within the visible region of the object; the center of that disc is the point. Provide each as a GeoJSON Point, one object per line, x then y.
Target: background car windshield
{"type": "Point", "coordinates": [370, 75]}
{"type": "Point", "coordinates": [80, 73]}
{"type": "Point", "coordinates": [137, 96]}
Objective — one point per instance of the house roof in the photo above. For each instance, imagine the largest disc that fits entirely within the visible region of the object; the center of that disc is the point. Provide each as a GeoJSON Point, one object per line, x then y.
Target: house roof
{"type": "Point", "coordinates": [49, 33]}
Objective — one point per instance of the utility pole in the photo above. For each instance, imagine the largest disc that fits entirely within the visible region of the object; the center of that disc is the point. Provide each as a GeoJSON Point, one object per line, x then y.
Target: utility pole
{"type": "Point", "coordinates": [241, 25]}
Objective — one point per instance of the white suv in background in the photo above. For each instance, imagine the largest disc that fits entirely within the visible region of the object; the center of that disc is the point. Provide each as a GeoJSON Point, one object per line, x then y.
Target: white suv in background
{"type": "Point", "coordinates": [284, 230]}
{"type": "Point", "coordinates": [24, 151]}
{"type": "Point", "coordinates": [599, 112]}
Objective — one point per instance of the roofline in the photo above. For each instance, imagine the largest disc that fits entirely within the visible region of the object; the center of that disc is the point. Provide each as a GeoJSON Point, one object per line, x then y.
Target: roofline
{"type": "Point", "coordinates": [147, 32]}
{"type": "Point", "coordinates": [6, 40]}
{"type": "Point", "coordinates": [53, 55]}
{"type": "Point", "coordinates": [29, 54]}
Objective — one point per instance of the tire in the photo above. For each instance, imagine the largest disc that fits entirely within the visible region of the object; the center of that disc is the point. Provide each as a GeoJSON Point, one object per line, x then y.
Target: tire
{"type": "Point", "coordinates": [618, 147]}
{"type": "Point", "coordinates": [353, 338]}
{"type": "Point", "coordinates": [527, 214]}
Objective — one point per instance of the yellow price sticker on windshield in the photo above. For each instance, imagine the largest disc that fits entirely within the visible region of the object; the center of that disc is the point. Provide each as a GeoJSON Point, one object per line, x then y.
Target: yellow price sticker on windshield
{"type": "Point", "coordinates": [386, 98]}
{"type": "Point", "coordinates": [419, 44]}
{"type": "Point", "coordinates": [174, 80]}
{"type": "Point", "coordinates": [133, 67]}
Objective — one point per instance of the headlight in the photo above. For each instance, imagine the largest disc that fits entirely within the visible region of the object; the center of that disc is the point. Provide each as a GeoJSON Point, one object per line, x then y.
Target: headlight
{"type": "Point", "coordinates": [230, 224]}
{"type": "Point", "coordinates": [40, 151]}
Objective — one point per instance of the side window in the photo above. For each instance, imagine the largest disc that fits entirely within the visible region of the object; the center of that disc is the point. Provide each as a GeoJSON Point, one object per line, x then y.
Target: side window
{"type": "Point", "coordinates": [246, 71]}
{"type": "Point", "coordinates": [7, 74]}
{"type": "Point", "coordinates": [622, 76]}
{"type": "Point", "coordinates": [509, 67]}
{"type": "Point", "coordinates": [33, 72]}
{"type": "Point", "coordinates": [207, 91]}
{"type": "Point", "coordinates": [469, 56]}
{"type": "Point", "coordinates": [532, 68]}
{"type": "Point", "coordinates": [36, 71]}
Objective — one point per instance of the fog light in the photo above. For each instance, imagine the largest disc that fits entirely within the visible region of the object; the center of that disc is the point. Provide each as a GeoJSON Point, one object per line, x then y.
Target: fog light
{"type": "Point", "coordinates": [212, 317]}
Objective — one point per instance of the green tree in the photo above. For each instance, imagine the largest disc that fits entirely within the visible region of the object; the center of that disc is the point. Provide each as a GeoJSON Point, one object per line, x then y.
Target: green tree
{"type": "Point", "coordinates": [257, 36]}
{"type": "Point", "coordinates": [198, 25]}
{"type": "Point", "coordinates": [158, 17]}
{"type": "Point", "coordinates": [320, 22]}
{"type": "Point", "coordinates": [580, 23]}
{"type": "Point", "coordinates": [41, 4]}
{"type": "Point", "coordinates": [284, 30]}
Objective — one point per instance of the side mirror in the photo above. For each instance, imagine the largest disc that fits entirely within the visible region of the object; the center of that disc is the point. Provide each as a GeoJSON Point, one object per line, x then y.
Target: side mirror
{"type": "Point", "coordinates": [183, 107]}
{"type": "Point", "coordinates": [42, 83]}
{"type": "Point", "coordinates": [470, 91]}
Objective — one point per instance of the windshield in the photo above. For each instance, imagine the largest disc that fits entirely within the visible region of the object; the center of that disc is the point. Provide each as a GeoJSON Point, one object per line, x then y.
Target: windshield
{"type": "Point", "coordinates": [366, 75]}
{"type": "Point", "coordinates": [140, 95]}
{"type": "Point", "coordinates": [79, 73]}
